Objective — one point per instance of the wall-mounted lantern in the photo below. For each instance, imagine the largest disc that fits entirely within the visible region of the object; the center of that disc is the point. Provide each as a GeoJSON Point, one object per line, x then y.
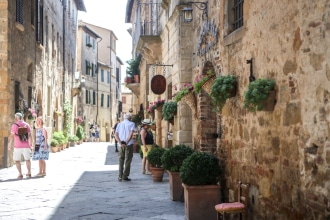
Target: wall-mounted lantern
{"type": "Point", "coordinates": [187, 11]}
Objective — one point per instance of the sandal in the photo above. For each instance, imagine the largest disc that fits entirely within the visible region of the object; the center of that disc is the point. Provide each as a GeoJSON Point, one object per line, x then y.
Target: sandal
{"type": "Point", "coordinates": [28, 175]}
{"type": "Point", "coordinates": [20, 177]}
{"type": "Point", "coordinates": [39, 174]}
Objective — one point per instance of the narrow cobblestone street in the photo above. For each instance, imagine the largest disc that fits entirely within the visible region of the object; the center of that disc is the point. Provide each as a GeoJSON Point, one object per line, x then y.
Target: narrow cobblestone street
{"type": "Point", "coordinates": [81, 183]}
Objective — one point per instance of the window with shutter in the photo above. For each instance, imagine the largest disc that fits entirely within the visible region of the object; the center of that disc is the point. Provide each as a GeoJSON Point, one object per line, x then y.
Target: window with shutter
{"type": "Point", "coordinates": [102, 97]}
{"type": "Point", "coordinates": [19, 11]}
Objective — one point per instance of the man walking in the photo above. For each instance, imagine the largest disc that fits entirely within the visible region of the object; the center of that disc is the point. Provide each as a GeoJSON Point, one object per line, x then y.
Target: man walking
{"type": "Point", "coordinates": [124, 134]}
{"type": "Point", "coordinates": [113, 135]}
{"type": "Point", "coordinates": [21, 146]}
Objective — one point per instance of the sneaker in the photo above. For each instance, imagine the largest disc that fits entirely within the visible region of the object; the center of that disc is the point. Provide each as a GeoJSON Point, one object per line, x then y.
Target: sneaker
{"type": "Point", "coordinates": [119, 179]}
{"type": "Point", "coordinates": [126, 179]}
{"type": "Point", "coordinates": [148, 173]}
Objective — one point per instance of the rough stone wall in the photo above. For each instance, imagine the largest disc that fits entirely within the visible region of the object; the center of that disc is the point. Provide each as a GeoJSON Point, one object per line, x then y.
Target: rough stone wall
{"type": "Point", "coordinates": [17, 46]}
{"type": "Point", "coordinates": [283, 154]}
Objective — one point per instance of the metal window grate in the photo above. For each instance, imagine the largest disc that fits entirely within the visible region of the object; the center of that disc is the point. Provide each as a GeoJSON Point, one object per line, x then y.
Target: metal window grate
{"type": "Point", "coordinates": [238, 14]}
{"type": "Point", "coordinates": [19, 11]}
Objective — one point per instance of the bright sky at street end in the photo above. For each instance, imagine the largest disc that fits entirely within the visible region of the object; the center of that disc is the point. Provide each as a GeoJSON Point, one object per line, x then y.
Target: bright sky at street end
{"type": "Point", "coordinates": [110, 14]}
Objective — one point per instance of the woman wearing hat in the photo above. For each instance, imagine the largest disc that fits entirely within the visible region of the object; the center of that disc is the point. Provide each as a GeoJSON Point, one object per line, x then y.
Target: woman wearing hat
{"type": "Point", "coordinates": [147, 140]}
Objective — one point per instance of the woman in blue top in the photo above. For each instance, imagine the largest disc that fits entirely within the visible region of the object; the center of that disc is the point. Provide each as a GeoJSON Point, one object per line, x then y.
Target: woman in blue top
{"type": "Point", "coordinates": [41, 149]}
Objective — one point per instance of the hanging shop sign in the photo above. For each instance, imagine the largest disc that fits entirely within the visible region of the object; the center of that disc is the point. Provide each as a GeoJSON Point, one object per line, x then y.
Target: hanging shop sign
{"type": "Point", "coordinates": [208, 38]}
{"type": "Point", "coordinates": [158, 84]}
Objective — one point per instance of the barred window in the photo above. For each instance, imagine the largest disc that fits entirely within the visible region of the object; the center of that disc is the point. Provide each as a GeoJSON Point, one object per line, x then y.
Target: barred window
{"type": "Point", "coordinates": [19, 11]}
{"type": "Point", "coordinates": [238, 14]}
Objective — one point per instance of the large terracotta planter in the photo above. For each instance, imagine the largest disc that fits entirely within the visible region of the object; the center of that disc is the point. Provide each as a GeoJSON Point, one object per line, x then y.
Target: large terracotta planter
{"type": "Point", "coordinates": [176, 189]}
{"type": "Point", "coordinates": [157, 174]}
{"type": "Point", "coordinates": [200, 201]}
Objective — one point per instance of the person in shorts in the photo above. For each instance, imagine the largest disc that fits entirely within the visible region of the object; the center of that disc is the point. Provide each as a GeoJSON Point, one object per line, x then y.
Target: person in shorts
{"type": "Point", "coordinates": [21, 148]}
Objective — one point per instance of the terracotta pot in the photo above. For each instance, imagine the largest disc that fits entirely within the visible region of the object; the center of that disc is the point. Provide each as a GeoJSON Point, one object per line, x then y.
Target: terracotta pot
{"type": "Point", "coordinates": [176, 189]}
{"type": "Point", "coordinates": [200, 200]}
{"type": "Point", "coordinates": [136, 78]}
{"type": "Point", "coordinates": [208, 85]}
{"type": "Point", "coordinates": [54, 149]}
{"type": "Point", "coordinates": [157, 174]}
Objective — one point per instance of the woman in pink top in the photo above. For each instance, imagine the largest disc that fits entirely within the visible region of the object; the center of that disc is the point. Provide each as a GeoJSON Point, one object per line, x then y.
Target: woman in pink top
{"type": "Point", "coordinates": [20, 147]}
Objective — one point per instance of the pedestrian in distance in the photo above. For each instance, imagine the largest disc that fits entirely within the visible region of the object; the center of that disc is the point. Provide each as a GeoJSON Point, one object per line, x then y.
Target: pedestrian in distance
{"type": "Point", "coordinates": [41, 147]}
{"type": "Point", "coordinates": [97, 133]}
{"type": "Point", "coordinates": [113, 135]}
{"type": "Point", "coordinates": [147, 141]}
{"type": "Point", "coordinates": [92, 132]}
{"type": "Point", "coordinates": [124, 136]}
{"type": "Point", "coordinates": [20, 139]}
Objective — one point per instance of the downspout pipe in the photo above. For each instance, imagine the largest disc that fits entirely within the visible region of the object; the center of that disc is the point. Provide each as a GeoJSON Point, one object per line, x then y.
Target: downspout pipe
{"type": "Point", "coordinates": [97, 80]}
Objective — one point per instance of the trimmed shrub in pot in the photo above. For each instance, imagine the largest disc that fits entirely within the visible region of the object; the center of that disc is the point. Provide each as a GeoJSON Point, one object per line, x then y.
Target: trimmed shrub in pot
{"type": "Point", "coordinates": [200, 168]}
{"type": "Point", "coordinates": [199, 174]}
{"type": "Point", "coordinates": [155, 155]}
{"type": "Point", "coordinates": [257, 93]}
{"type": "Point", "coordinates": [172, 158]}
{"type": "Point", "coordinates": [154, 158]}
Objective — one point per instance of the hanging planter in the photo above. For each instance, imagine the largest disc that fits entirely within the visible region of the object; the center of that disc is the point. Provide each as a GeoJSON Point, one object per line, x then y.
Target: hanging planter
{"type": "Point", "coordinates": [260, 95]}
{"type": "Point", "coordinates": [208, 85]}
{"type": "Point", "coordinates": [190, 99]}
{"type": "Point", "coordinates": [223, 88]}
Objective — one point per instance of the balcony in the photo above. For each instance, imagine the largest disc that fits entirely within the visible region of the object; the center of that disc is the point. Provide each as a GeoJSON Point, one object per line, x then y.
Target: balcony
{"type": "Point", "coordinates": [134, 87]}
{"type": "Point", "coordinates": [147, 30]}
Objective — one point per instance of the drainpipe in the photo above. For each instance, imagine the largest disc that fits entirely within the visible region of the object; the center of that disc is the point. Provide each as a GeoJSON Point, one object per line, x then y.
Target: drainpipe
{"type": "Point", "coordinates": [64, 53]}
{"type": "Point", "coordinates": [97, 80]}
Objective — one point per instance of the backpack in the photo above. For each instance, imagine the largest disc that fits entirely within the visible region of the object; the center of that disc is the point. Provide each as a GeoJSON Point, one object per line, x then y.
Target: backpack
{"type": "Point", "coordinates": [22, 133]}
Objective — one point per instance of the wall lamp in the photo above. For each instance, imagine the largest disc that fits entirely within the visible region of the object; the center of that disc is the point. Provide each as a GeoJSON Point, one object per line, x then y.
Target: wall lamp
{"type": "Point", "coordinates": [187, 11]}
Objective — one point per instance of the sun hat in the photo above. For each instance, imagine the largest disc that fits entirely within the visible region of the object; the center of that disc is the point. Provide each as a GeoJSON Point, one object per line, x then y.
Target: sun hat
{"type": "Point", "coordinates": [18, 114]}
{"type": "Point", "coordinates": [146, 122]}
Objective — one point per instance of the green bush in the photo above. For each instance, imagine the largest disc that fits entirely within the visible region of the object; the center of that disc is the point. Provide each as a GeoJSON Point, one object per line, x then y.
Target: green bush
{"type": "Point", "coordinates": [59, 136]}
{"type": "Point", "coordinates": [172, 158]}
{"type": "Point", "coordinates": [155, 155]}
{"type": "Point", "coordinates": [80, 132]}
{"type": "Point", "coordinates": [200, 168]}
{"type": "Point", "coordinates": [53, 142]}
{"type": "Point", "coordinates": [73, 138]}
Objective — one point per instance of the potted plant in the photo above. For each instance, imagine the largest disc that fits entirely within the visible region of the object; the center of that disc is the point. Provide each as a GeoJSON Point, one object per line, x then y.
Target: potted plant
{"type": "Point", "coordinates": [187, 94]}
{"type": "Point", "coordinates": [172, 161]}
{"type": "Point", "coordinates": [223, 88]}
{"type": "Point", "coordinates": [185, 90]}
{"type": "Point", "coordinates": [53, 144]}
{"type": "Point", "coordinates": [59, 136]}
{"type": "Point", "coordinates": [169, 110]}
{"type": "Point", "coordinates": [201, 80]}
{"type": "Point", "coordinates": [199, 174]}
{"type": "Point", "coordinates": [133, 68]}
{"type": "Point", "coordinates": [72, 140]}
{"type": "Point", "coordinates": [260, 95]}
{"type": "Point", "coordinates": [154, 158]}
{"type": "Point", "coordinates": [80, 133]}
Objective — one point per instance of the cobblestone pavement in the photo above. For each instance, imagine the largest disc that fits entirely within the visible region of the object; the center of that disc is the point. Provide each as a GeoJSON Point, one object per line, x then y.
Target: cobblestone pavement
{"type": "Point", "coordinates": [81, 183]}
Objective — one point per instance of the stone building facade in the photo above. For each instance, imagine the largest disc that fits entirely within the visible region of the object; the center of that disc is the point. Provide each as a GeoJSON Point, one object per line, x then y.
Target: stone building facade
{"type": "Point", "coordinates": [99, 101]}
{"type": "Point", "coordinates": [283, 154]}
{"type": "Point", "coordinates": [38, 49]}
